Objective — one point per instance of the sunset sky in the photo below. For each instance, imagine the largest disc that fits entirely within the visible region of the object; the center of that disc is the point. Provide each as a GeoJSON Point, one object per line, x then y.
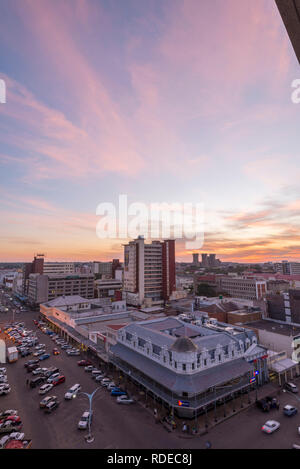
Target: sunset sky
{"type": "Point", "coordinates": [162, 100]}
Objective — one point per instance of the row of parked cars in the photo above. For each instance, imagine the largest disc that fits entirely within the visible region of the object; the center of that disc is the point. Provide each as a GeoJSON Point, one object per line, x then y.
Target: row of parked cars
{"type": "Point", "coordinates": [100, 377]}
{"type": "Point", "coordinates": [69, 349]}
{"type": "Point", "coordinates": [10, 421]}
{"type": "Point", "coordinates": [4, 385]}
{"type": "Point", "coordinates": [10, 435]}
{"type": "Point", "coordinates": [24, 340]}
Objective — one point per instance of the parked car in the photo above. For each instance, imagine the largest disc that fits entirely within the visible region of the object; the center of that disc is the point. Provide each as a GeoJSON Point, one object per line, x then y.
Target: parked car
{"type": "Point", "coordinates": [118, 392]}
{"type": "Point", "coordinates": [45, 356]}
{"type": "Point", "coordinates": [105, 382]}
{"type": "Point", "coordinates": [32, 367]}
{"type": "Point", "coordinates": [39, 353]}
{"type": "Point", "coordinates": [72, 391]}
{"type": "Point", "coordinates": [84, 421]}
{"type": "Point", "coordinates": [51, 371]}
{"type": "Point", "coordinates": [291, 387]}
{"type": "Point", "coordinates": [3, 379]}
{"type": "Point", "coordinates": [88, 368]}
{"type": "Point", "coordinates": [97, 373]}
{"type": "Point", "coordinates": [8, 427]}
{"type": "Point", "coordinates": [84, 363]}
{"type": "Point", "coordinates": [290, 410]}
{"type": "Point", "coordinates": [125, 400]}
{"type": "Point", "coordinates": [17, 436]}
{"type": "Point", "coordinates": [99, 378]}
{"type": "Point", "coordinates": [45, 388]}
{"type": "Point", "coordinates": [111, 386]}
{"type": "Point", "coordinates": [56, 351]}
{"type": "Point", "coordinates": [11, 418]}
{"type": "Point", "coordinates": [4, 389]}
{"type": "Point", "coordinates": [7, 413]}
{"type": "Point", "coordinates": [4, 440]}
{"type": "Point", "coordinates": [39, 371]}
{"type": "Point", "coordinates": [30, 362]}
{"type": "Point", "coordinates": [59, 380]}
{"type": "Point", "coordinates": [73, 352]}
{"type": "Point", "coordinates": [53, 377]}
{"type": "Point", "coordinates": [270, 426]}
{"type": "Point", "coordinates": [37, 381]}
{"type": "Point", "coordinates": [46, 401]}
{"type": "Point", "coordinates": [51, 406]}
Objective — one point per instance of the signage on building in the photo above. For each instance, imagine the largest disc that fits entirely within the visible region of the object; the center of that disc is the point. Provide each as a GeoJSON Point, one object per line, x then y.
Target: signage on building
{"type": "Point", "coordinates": [184, 403]}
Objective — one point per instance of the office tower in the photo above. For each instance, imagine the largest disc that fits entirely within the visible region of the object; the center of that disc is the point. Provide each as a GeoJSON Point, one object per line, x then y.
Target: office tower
{"type": "Point", "coordinates": [149, 271]}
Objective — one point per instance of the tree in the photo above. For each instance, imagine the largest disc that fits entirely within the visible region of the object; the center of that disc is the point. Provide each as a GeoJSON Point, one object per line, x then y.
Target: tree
{"type": "Point", "coordinates": [203, 289]}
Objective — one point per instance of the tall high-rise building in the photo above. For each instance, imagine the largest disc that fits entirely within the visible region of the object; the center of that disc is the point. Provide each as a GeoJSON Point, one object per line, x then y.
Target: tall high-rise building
{"type": "Point", "coordinates": [149, 271]}
{"type": "Point", "coordinates": [196, 259]}
{"type": "Point", "coordinates": [34, 267]}
{"type": "Point", "coordinates": [204, 260]}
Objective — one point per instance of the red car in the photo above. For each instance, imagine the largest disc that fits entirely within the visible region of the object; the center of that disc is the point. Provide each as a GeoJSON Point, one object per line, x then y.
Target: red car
{"type": "Point", "coordinates": [35, 322]}
{"type": "Point", "coordinates": [84, 363]}
{"type": "Point", "coordinates": [56, 351]}
{"type": "Point", "coordinates": [11, 418]}
{"type": "Point", "coordinates": [59, 379]}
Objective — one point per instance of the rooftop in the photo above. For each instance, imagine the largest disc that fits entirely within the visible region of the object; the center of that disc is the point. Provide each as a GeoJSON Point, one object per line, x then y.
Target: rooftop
{"type": "Point", "coordinates": [273, 326]}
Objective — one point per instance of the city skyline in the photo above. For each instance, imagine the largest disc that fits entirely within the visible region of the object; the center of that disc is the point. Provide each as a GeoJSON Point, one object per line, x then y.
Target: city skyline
{"type": "Point", "coordinates": [162, 101]}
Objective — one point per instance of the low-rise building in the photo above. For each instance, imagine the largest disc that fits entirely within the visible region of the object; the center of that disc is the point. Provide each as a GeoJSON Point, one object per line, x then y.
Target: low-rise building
{"type": "Point", "coordinates": [189, 366]}
{"type": "Point", "coordinates": [46, 287]}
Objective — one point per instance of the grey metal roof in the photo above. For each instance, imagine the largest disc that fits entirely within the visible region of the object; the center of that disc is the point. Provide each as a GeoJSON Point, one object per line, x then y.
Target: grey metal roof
{"type": "Point", "coordinates": [156, 337]}
{"type": "Point", "coordinates": [163, 324]}
{"type": "Point", "coordinates": [178, 383]}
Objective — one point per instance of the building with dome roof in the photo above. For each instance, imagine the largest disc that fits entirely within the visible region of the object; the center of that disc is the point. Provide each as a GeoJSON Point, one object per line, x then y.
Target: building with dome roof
{"type": "Point", "coordinates": [190, 365]}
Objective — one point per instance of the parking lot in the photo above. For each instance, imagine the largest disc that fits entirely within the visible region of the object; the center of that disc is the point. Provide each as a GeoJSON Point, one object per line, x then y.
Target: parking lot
{"type": "Point", "coordinates": [113, 426]}
{"type": "Point", "coordinates": [117, 426]}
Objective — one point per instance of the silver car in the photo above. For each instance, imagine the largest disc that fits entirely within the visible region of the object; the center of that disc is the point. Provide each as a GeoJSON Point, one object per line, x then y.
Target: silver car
{"type": "Point", "coordinates": [84, 421]}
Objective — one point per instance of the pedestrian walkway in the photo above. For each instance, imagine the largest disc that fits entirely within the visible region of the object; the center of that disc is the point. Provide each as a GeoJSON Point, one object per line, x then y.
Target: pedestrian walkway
{"type": "Point", "coordinates": [204, 423]}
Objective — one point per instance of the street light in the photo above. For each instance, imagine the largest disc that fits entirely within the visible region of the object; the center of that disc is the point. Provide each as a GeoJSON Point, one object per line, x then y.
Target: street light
{"type": "Point", "coordinates": [90, 438]}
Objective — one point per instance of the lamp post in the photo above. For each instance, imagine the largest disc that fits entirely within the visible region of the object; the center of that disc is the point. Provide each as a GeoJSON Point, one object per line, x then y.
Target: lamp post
{"type": "Point", "coordinates": [89, 438]}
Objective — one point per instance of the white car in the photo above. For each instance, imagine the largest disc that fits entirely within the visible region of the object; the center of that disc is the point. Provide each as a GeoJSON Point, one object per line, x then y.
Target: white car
{"type": "Point", "coordinates": [84, 421]}
{"type": "Point", "coordinates": [99, 378]}
{"type": "Point", "coordinates": [39, 371]}
{"type": "Point", "coordinates": [124, 400]}
{"type": "Point", "coordinates": [4, 389]}
{"type": "Point", "coordinates": [3, 379]}
{"type": "Point", "coordinates": [53, 377]}
{"type": "Point", "coordinates": [3, 371]}
{"type": "Point", "coordinates": [17, 436]}
{"type": "Point", "coordinates": [89, 368]}
{"type": "Point", "coordinates": [45, 388]}
{"type": "Point", "coordinates": [270, 426]}
{"type": "Point", "coordinates": [4, 440]}
{"type": "Point", "coordinates": [72, 391]}
{"type": "Point", "coordinates": [111, 386]}
{"type": "Point", "coordinates": [8, 413]}
{"type": "Point", "coordinates": [105, 382]}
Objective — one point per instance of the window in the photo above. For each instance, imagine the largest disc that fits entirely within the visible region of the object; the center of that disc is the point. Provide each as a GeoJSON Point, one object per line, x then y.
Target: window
{"type": "Point", "coordinates": [184, 367]}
